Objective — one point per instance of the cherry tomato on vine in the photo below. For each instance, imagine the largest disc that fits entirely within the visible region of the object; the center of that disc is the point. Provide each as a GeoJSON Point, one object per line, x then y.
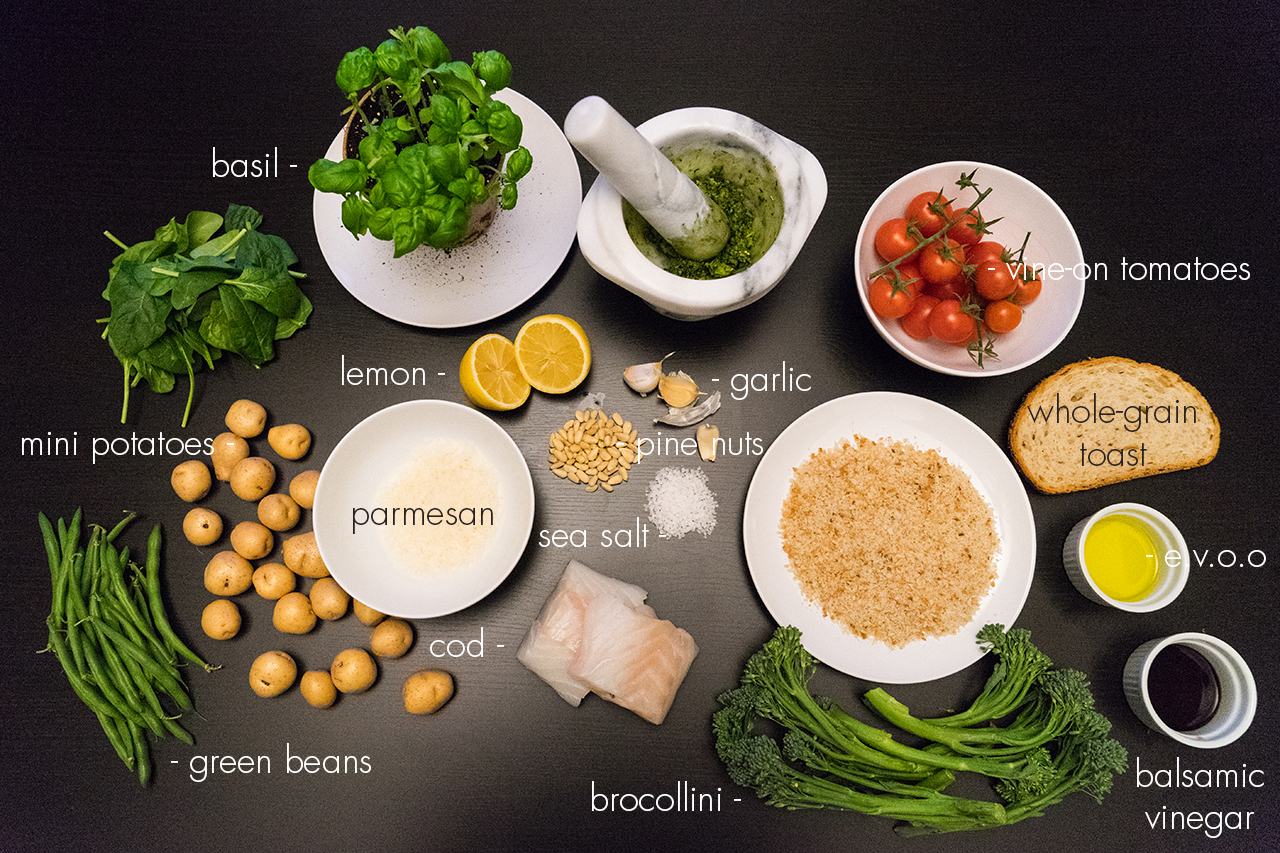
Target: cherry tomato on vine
{"type": "Point", "coordinates": [980, 253]}
{"type": "Point", "coordinates": [993, 279]}
{"type": "Point", "coordinates": [930, 212]}
{"type": "Point", "coordinates": [893, 240]}
{"type": "Point", "coordinates": [1002, 316]}
{"type": "Point", "coordinates": [1026, 287]}
{"type": "Point", "coordinates": [908, 270]}
{"type": "Point", "coordinates": [916, 321]}
{"type": "Point", "coordinates": [956, 288]}
{"type": "Point", "coordinates": [941, 261]}
{"type": "Point", "coordinates": [949, 322]}
{"type": "Point", "coordinates": [885, 301]}
{"type": "Point", "coordinates": [966, 231]}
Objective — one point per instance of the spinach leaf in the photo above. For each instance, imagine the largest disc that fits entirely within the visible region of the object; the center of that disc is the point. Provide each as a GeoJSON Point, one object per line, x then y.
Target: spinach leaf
{"type": "Point", "coordinates": [241, 218]}
{"type": "Point", "coordinates": [264, 250]}
{"type": "Point", "coordinates": [137, 317]}
{"type": "Point", "coordinates": [180, 300]}
{"type": "Point", "coordinates": [240, 326]}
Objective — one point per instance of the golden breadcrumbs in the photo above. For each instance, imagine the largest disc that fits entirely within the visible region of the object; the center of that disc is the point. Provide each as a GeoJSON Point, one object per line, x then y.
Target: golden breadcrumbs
{"type": "Point", "coordinates": [894, 543]}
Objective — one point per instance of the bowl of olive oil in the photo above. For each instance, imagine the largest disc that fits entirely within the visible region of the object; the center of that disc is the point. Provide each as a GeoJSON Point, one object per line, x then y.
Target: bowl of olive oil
{"type": "Point", "coordinates": [1128, 556]}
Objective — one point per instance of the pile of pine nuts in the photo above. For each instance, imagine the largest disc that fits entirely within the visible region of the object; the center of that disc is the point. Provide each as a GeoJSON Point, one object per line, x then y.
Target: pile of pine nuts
{"type": "Point", "coordinates": [594, 450]}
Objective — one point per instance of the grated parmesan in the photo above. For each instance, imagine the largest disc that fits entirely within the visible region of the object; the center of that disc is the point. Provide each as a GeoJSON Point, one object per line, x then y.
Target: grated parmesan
{"type": "Point", "coordinates": [679, 502]}
{"type": "Point", "coordinates": [445, 475]}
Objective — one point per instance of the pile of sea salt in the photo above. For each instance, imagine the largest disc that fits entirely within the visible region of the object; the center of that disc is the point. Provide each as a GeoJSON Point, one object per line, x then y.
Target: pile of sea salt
{"type": "Point", "coordinates": [679, 502]}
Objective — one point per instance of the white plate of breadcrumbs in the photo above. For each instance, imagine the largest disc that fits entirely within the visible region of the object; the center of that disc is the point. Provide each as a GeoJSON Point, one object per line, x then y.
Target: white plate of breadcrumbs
{"type": "Point", "coordinates": [889, 528]}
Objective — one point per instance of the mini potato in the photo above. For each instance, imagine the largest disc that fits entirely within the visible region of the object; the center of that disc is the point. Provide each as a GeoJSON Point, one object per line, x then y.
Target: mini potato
{"type": "Point", "coordinates": [302, 488]}
{"type": "Point", "coordinates": [202, 526]}
{"type": "Point", "coordinates": [367, 614]}
{"type": "Point", "coordinates": [279, 512]}
{"type": "Point", "coordinates": [191, 480]}
{"type": "Point", "coordinates": [252, 540]}
{"type": "Point", "coordinates": [353, 671]}
{"type": "Point", "coordinates": [252, 478]}
{"type": "Point", "coordinates": [426, 692]}
{"type": "Point", "coordinates": [221, 619]}
{"type": "Point", "coordinates": [317, 688]}
{"type": "Point", "coordinates": [293, 614]}
{"type": "Point", "coordinates": [303, 556]}
{"type": "Point", "coordinates": [246, 418]}
{"type": "Point", "coordinates": [291, 441]}
{"type": "Point", "coordinates": [228, 574]}
{"type": "Point", "coordinates": [391, 638]}
{"type": "Point", "coordinates": [272, 673]}
{"type": "Point", "coordinates": [228, 450]}
{"type": "Point", "coordinates": [328, 600]}
{"type": "Point", "coordinates": [274, 581]}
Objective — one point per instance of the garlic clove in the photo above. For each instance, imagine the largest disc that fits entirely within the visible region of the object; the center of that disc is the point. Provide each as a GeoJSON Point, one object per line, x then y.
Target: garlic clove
{"type": "Point", "coordinates": [643, 378]}
{"type": "Point", "coordinates": [677, 389]}
{"type": "Point", "coordinates": [708, 435]}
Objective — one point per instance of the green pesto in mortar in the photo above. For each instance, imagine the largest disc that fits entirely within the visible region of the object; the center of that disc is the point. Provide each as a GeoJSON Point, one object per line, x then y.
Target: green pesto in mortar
{"type": "Point", "coordinates": [738, 252]}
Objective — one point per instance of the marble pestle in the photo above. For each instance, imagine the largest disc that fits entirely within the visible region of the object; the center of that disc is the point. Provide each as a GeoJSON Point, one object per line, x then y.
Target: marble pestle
{"type": "Point", "coordinates": [693, 224]}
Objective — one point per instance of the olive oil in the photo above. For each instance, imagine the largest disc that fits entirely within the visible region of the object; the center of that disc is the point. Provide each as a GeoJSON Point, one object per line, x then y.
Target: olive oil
{"type": "Point", "coordinates": [1120, 557]}
{"type": "Point", "coordinates": [1183, 687]}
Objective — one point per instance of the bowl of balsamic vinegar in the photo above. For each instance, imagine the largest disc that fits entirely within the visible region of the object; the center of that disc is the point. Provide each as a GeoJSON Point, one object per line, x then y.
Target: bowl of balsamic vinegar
{"type": "Point", "coordinates": [1192, 687]}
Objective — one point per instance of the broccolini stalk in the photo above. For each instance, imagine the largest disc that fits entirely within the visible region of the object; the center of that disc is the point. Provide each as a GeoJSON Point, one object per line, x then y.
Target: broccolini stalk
{"type": "Point", "coordinates": [1019, 665]}
{"type": "Point", "coordinates": [1054, 708]}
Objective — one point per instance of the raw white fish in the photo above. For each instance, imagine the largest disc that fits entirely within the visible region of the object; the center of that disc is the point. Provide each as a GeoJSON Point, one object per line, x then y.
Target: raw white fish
{"type": "Point", "coordinates": [632, 658]}
{"type": "Point", "coordinates": [555, 637]}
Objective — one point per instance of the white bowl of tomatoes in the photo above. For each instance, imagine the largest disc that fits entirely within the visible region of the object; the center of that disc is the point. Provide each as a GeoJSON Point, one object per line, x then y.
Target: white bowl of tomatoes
{"type": "Point", "coordinates": [969, 269]}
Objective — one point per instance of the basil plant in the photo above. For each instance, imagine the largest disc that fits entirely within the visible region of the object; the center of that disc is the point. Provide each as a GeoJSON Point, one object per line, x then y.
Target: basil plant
{"type": "Point", "coordinates": [436, 142]}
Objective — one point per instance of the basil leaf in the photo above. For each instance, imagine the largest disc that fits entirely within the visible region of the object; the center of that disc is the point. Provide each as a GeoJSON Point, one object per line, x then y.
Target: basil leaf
{"type": "Point", "coordinates": [345, 176]}
{"type": "Point", "coordinates": [493, 68]}
{"type": "Point", "coordinates": [457, 77]}
{"type": "Point", "coordinates": [356, 70]}
{"type": "Point", "coordinates": [519, 163]}
{"type": "Point", "coordinates": [427, 48]}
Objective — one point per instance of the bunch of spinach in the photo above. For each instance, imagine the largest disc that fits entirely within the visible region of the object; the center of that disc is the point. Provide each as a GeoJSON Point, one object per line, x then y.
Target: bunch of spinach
{"type": "Point", "coordinates": [181, 299]}
{"type": "Point", "coordinates": [434, 139]}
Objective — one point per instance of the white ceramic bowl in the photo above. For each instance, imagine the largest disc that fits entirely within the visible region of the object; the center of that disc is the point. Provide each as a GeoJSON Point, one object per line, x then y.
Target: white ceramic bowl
{"type": "Point", "coordinates": [356, 475]}
{"type": "Point", "coordinates": [1022, 207]}
{"type": "Point", "coordinates": [1170, 578]}
{"type": "Point", "coordinates": [609, 249]}
{"type": "Point", "coordinates": [1238, 692]}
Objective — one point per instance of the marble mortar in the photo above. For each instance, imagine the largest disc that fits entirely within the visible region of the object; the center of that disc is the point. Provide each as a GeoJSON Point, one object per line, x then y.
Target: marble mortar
{"type": "Point", "coordinates": [607, 246]}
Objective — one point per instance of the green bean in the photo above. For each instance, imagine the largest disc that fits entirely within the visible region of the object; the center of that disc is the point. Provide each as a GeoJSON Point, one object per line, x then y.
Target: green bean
{"type": "Point", "coordinates": [122, 744]}
{"type": "Point", "coordinates": [70, 533]}
{"type": "Point", "coordinates": [124, 522]}
{"type": "Point", "coordinates": [52, 547]}
{"type": "Point", "coordinates": [177, 730]}
{"type": "Point", "coordinates": [98, 669]}
{"type": "Point", "coordinates": [163, 677]}
{"type": "Point", "coordinates": [141, 752]}
{"type": "Point", "coordinates": [140, 633]}
{"type": "Point", "coordinates": [87, 692]}
{"type": "Point", "coordinates": [157, 604]}
{"type": "Point", "coordinates": [121, 681]}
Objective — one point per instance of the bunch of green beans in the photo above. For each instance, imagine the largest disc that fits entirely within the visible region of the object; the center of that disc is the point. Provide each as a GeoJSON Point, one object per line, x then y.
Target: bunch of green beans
{"type": "Point", "coordinates": [108, 629]}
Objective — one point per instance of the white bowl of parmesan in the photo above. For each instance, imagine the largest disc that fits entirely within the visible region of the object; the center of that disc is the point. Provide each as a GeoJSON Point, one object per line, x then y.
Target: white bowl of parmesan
{"type": "Point", "coordinates": [423, 509]}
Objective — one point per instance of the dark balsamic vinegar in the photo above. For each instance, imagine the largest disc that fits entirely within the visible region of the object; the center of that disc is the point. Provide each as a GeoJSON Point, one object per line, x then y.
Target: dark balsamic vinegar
{"type": "Point", "coordinates": [1183, 687]}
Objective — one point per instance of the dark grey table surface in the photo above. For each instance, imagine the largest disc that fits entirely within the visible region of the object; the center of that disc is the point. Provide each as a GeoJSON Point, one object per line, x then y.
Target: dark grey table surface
{"type": "Point", "coordinates": [1154, 128]}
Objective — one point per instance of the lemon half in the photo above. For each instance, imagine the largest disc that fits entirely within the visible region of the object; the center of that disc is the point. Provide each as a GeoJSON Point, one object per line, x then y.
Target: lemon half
{"type": "Point", "coordinates": [491, 375]}
{"type": "Point", "coordinates": [553, 353]}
